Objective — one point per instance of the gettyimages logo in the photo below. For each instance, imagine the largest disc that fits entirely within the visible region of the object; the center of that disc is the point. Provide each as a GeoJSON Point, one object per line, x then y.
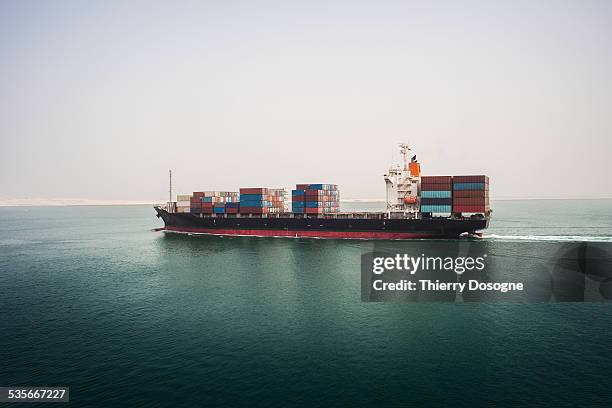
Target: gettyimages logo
{"type": "Point", "coordinates": [413, 264]}
{"type": "Point", "coordinates": [487, 271]}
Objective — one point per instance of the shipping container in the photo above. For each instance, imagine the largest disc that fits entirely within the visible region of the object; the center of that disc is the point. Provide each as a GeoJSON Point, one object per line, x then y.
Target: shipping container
{"type": "Point", "coordinates": [256, 203]}
{"type": "Point", "coordinates": [436, 194]}
{"type": "Point", "coordinates": [470, 209]}
{"type": "Point", "coordinates": [470, 193]}
{"type": "Point", "coordinates": [436, 179]}
{"type": "Point", "coordinates": [253, 210]}
{"type": "Point", "coordinates": [313, 204]}
{"type": "Point", "coordinates": [471, 201]}
{"type": "Point", "coordinates": [299, 193]}
{"type": "Point", "coordinates": [471, 179]}
{"type": "Point", "coordinates": [251, 197]}
{"type": "Point", "coordinates": [436, 201]}
{"type": "Point", "coordinates": [436, 186]}
{"type": "Point", "coordinates": [258, 190]}
{"type": "Point", "coordinates": [469, 186]}
{"type": "Point", "coordinates": [436, 209]}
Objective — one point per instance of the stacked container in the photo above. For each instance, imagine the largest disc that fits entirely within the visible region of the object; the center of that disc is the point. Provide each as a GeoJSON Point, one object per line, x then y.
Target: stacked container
{"type": "Point", "coordinates": [277, 198]}
{"type": "Point", "coordinates": [436, 194]}
{"type": "Point", "coordinates": [262, 200]}
{"type": "Point", "coordinates": [253, 201]}
{"type": "Point", "coordinates": [315, 199]}
{"type": "Point", "coordinates": [196, 202]}
{"type": "Point", "coordinates": [209, 202]}
{"type": "Point", "coordinates": [183, 203]}
{"type": "Point", "coordinates": [471, 194]}
{"type": "Point", "coordinates": [232, 208]}
{"type": "Point", "coordinates": [297, 200]}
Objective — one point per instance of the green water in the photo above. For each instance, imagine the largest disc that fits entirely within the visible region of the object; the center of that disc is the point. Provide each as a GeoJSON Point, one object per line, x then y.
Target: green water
{"type": "Point", "coordinates": [92, 298]}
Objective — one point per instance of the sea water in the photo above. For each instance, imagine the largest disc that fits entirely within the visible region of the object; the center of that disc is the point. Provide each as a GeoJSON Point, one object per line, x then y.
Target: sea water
{"type": "Point", "coordinates": [94, 299]}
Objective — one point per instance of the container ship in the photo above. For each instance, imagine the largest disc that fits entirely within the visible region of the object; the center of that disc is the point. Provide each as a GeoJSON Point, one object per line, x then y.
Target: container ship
{"type": "Point", "coordinates": [417, 206]}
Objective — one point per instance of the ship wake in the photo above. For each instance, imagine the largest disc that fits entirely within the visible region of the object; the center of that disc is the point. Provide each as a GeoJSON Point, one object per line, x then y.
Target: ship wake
{"type": "Point", "coordinates": [551, 238]}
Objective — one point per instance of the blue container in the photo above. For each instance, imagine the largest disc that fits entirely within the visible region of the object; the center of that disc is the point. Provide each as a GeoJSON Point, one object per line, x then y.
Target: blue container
{"type": "Point", "coordinates": [297, 192]}
{"type": "Point", "coordinates": [436, 194]}
{"type": "Point", "coordinates": [436, 208]}
{"type": "Point", "coordinates": [256, 203]}
{"type": "Point", "coordinates": [313, 204]}
{"type": "Point", "coordinates": [298, 204]}
{"type": "Point", "coordinates": [219, 210]}
{"type": "Point", "coordinates": [315, 186]}
{"type": "Point", "coordinates": [231, 205]}
{"type": "Point", "coordinates": [469, 186]}
{"type": "Point", "coordinates": [252, 203]}
{"type": "Point", "coordinates": [436, 201]}
{"type": "Point", "coordinates": [298, 210]}
{"type": "Point", "coordinates": [251, 197]}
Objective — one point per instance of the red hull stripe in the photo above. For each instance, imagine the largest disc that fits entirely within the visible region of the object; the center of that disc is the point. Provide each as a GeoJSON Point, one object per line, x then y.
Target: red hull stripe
{"type": "Point", "coordinates": [307, 234]}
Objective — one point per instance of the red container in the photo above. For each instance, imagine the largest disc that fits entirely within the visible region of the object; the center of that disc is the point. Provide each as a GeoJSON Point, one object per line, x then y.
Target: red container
{"type": "Point", "coordinates": [470, 193]}
{"type": "Point", "coordinates": [481, 201]}
{"type": "Point", "coordinates": [198, 194]}
{"type": "Point", "coordinates": [436, 179]}
{"type": "Point", "coordinates": [301, 186]}
{"type": "Point", "coordinates": [471, 179]}
{"type": "Point", "coordinates": [233, 210]}
{"type": "Point", "coordinates": [470, 208]}
{"type": "Point", "coordinates": [314, 210]}
{"type": "Point", "coordinates": [258, 190]}
{"type": "Point", "coordinates": [436, 187]}
{"type": "Point", "coordinates": [253, 210]}
{"type": "Point", "coordinates": [312, 195]}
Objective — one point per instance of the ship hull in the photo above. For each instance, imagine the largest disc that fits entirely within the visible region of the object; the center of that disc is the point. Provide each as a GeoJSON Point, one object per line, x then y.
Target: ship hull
{"type": "Point", "coordinates": [334, 228]}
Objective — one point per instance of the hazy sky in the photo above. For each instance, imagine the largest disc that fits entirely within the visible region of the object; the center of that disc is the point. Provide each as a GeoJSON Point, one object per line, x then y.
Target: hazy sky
{"type": "Point", "coordinates": [101, 98]}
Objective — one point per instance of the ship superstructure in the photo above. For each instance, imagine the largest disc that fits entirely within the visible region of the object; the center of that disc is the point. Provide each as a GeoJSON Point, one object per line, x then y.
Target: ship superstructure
{"type": "Point", "coordinates": [402, 187]}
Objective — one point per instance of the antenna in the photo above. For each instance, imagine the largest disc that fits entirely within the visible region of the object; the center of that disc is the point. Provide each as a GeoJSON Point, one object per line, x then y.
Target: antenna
{"type": "Point", "coordinates": [170, 188]}
{"type": "Point", "coordinates": [405, 150]}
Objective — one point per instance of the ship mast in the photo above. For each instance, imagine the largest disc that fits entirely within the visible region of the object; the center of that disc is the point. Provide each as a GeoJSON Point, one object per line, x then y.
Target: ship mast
{"type": "Point", "coordinates": [170, 187]}
{"type": "Point", "coordinates": [405, 150]}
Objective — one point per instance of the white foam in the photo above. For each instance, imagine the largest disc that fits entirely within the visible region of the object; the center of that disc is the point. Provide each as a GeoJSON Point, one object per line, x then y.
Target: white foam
{"type": "Point", "coordinates": [554, 238]}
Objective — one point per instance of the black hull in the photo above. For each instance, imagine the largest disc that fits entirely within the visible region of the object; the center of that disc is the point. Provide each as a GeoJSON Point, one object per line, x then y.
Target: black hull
{"type": "Point", "coordinates": [321, 227]}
